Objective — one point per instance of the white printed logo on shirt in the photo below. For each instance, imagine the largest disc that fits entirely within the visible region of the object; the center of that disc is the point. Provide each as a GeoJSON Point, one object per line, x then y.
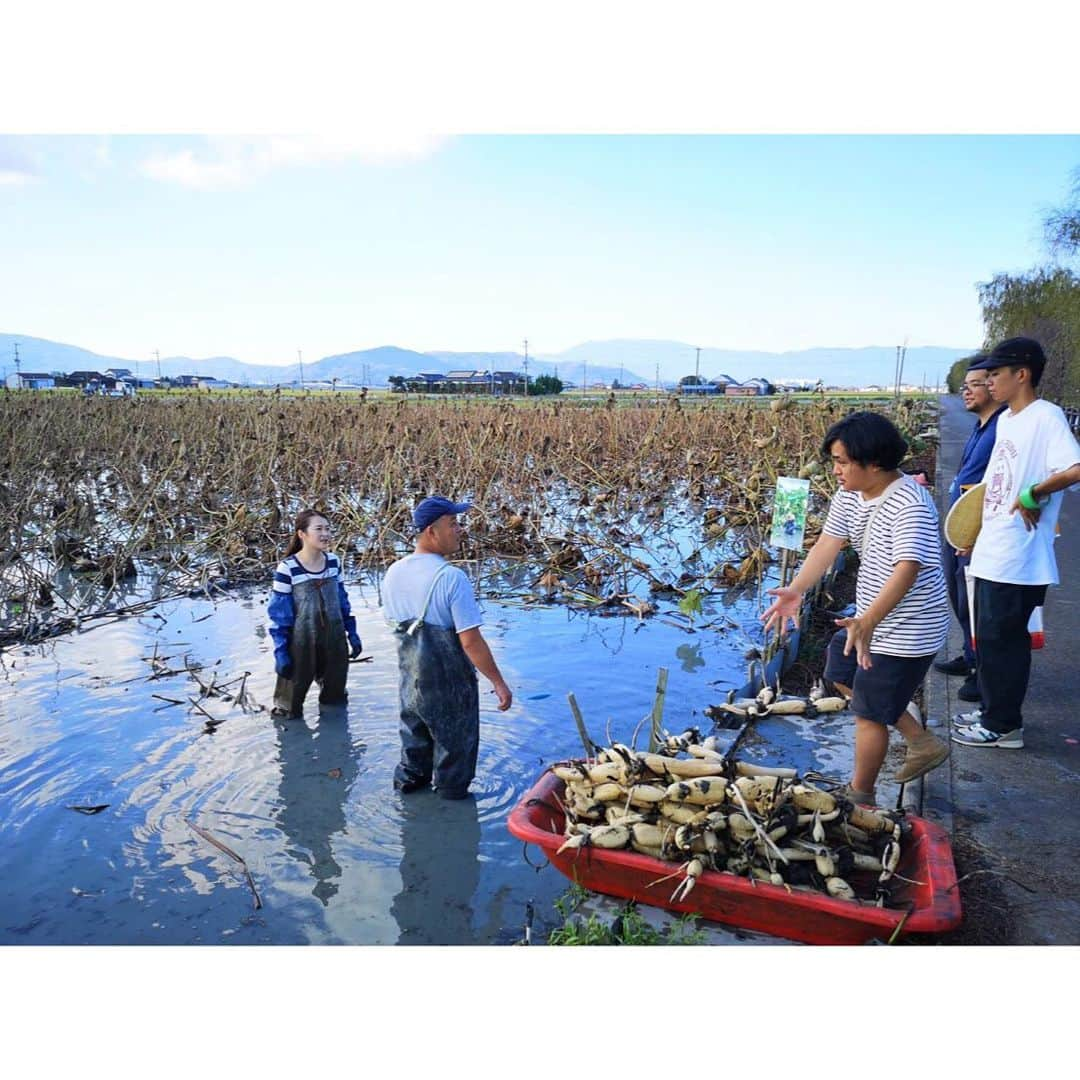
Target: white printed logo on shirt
{"type": "Point", "coordinates": [999, 478]}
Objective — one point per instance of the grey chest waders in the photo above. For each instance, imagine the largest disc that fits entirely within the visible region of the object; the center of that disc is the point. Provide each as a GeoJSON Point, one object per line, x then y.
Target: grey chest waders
{"type": "Point", "coordinates": [440, 707]}
{"type": "Point", "coordinates": [318, 648]}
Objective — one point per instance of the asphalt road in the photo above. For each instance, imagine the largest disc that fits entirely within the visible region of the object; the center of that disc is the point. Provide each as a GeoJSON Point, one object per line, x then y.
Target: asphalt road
{"type": "Point", "coordinates": [1011, 812]}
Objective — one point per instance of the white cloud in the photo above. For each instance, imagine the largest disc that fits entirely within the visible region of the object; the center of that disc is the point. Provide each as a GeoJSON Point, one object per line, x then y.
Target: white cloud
{"type": "Point", "coordinates": [12, 177]}
{"type": "Point", "coordinates": [18, 163]}
{"type": "Point", "coordinates": [228, 162]}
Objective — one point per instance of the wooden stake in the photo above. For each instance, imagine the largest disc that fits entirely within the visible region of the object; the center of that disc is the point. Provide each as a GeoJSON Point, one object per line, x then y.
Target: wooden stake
{"type": "Point", "coordinates": [579, 720]}
{"type": "Point", "coordinates": [658, 708]}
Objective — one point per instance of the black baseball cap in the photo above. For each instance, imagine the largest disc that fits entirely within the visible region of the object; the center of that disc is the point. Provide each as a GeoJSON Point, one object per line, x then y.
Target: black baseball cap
{"type": "Point", "coordinates": [1013, 352]}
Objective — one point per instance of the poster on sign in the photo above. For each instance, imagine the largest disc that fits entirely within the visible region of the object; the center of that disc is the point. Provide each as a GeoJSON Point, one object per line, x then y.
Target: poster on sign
{"type": "Point", "coordinates": [789, 513]}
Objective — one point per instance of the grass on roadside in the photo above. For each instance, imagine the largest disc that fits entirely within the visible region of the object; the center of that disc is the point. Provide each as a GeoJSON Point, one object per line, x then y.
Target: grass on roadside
{"type": "Point", "coordinates": [628, 927]}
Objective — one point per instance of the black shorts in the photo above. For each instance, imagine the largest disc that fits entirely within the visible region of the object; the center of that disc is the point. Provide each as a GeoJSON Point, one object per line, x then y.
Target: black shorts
{"type": "Point", "coordinates": [882, 692]}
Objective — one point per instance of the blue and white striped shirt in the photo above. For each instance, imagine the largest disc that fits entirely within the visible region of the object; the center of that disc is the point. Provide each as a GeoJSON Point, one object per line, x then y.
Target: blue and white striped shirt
{"type": "Point", "coordinates": [291, 571]}
{"type": "Point", "coordinates": [905, 529]}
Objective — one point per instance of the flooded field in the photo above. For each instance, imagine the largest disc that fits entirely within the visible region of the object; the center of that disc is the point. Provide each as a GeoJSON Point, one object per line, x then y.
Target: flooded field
{"type": "Point", "coordinates": [334, 854]}
{"type": "Point", "coordinates": [146, 796]}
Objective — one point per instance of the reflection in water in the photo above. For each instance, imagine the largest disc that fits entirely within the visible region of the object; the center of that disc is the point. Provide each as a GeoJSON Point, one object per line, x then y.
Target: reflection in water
{"type": "Point", "coordinates": [440, 870]}
{"type": "Point", "coordinates": [690, 657]}
{"type": "Point", "coordinates": [318, 768]}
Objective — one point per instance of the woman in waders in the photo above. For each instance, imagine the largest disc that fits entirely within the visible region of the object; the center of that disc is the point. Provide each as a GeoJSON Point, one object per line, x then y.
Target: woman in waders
{"type": "Point", "coordinates": [311, 623]}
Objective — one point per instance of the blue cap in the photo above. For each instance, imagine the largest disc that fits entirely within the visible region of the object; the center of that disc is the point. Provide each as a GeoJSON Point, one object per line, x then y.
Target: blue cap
{"type": "Point", "coordinates": [435, 507]}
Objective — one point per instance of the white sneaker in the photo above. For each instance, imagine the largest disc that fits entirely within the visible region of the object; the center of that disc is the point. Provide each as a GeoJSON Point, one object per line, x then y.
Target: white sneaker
{"type": "Point", "coordinates": [966, 719]}
{"type": "Point", "coordinates": [977, 735]}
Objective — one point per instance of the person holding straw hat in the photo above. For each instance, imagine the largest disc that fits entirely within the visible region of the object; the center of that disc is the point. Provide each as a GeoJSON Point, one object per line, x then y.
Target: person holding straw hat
{"type": "Point", "coordinates": [976, 453]}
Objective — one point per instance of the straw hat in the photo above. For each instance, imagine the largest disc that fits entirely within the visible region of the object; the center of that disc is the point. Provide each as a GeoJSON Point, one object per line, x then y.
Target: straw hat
{"type": "Point", "coordinates": [965, 518]}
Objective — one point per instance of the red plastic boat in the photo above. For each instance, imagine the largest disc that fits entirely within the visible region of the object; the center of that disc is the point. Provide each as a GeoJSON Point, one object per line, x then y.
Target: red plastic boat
{"type": "Point", "coordinates": [931, 906]}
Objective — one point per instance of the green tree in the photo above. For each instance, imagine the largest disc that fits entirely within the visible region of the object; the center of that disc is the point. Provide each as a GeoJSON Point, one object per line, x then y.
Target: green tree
{"type": "Point", "coordinates": [1061, 226]}
{"type": "Point", "coordinates": [1044, 304]}
{"type": "Point", "coordinates": [545, 384]}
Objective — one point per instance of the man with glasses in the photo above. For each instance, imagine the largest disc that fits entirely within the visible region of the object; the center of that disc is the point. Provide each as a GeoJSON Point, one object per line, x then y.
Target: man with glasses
{"type": "Point", "coordinates": [1034, 460]}
{"type": "Point", "coordinates": [976, 397]}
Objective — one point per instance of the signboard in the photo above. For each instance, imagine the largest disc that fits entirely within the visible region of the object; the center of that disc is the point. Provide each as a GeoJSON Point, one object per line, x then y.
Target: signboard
{"type": "Point", "coordinates": [789, 513]}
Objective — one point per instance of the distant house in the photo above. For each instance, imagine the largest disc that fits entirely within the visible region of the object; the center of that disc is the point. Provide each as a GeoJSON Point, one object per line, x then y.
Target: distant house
{"type": "Point", "coordinates": [463, 380]}
{"type": "Point", "coordinates": [751, 388]}
{"type": "Point", "coordinates": [30, 380]}
{"type": "Point", "coordinates": [118, 372]}
{"type": "Point", "coordinates": [207, 383]}
{"type": "Point", "coordinates": [84, 378]}
{"type": "Point", "coordinates": [429, 380]}
{"type": "Point", "coordinates": [188, 380]}
{"type": "Point", "coordinates": [475, 381]}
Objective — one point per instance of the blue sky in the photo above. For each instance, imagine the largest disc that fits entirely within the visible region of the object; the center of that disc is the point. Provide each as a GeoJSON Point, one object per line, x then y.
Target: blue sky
{"type": "Point", "coordinates": [257, 247]}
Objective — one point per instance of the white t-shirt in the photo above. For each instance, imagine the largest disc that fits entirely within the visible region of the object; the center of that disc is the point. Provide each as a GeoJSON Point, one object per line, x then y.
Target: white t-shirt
{"type": "Point", "coordinates": [453, 603]}
{"type": "Point", "coordinates": [903, 527]}
{"type": "Point", "coordinates": [1030, 445]}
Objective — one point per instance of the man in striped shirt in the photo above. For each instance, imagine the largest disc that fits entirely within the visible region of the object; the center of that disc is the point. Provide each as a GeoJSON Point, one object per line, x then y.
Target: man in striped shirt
{"type": "Point", "coordinates": [901, 610]}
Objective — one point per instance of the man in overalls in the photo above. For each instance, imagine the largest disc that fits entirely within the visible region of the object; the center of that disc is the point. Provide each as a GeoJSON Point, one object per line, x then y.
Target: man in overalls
{"type": "Point", "coordinates": [437, 621]}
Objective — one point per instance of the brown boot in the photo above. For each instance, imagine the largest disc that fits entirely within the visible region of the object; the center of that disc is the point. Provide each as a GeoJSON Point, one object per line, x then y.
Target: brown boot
{"type": "Point", "coordinates": [924, 752]}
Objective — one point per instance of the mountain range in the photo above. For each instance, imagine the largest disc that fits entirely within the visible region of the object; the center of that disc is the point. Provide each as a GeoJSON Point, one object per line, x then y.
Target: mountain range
{"type": "Point", "coordinates": [628, 360]}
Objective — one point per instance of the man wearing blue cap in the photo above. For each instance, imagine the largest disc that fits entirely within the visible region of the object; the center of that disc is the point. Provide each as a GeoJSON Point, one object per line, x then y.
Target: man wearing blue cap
{"type": "Point", "coordinates": [437, 621]}
{"type": "Point", "coordinates": [1034, 460]}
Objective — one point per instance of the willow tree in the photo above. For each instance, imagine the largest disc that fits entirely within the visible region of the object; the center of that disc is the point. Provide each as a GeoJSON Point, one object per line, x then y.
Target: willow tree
{"type": "Point", "coordinates": [1044, 303]}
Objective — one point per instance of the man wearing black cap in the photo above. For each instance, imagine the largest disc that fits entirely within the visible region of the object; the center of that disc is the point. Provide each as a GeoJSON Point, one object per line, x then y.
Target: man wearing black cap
{"type": "Point", "coordinates": [440, 648]}
{"type": "Point", "coordinates": [976, 397]}
{"type": "Point", "coordinates": [1035, 458]}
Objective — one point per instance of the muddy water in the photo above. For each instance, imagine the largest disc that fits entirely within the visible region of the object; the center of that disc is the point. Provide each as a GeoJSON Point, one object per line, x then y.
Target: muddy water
{"type": "Point", "coordinates": [336, 856]}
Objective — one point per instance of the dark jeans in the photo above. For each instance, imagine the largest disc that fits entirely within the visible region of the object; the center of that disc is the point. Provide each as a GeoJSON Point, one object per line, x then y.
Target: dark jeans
{"type": "Point", "coordinates": [1003, 657]}
{"type": "Point", "coordinates": [953, 566]}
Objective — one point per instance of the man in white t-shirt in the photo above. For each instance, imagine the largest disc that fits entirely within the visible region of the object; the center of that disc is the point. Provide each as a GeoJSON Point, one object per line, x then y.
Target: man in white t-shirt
{"type": "Point", "coordinates": [440, 648]}
{"type": "Point", "coordinates": [1034, 460]}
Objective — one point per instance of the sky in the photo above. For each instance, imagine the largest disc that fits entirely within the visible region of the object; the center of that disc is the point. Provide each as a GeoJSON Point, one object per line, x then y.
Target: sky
{"type": "Point", "coordinates": [257, 247]}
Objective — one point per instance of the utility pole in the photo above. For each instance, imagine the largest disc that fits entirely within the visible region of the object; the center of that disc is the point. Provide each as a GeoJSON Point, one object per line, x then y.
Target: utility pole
{"type": "Point", "coordinates": [697, 367]}
{"type": "Point", "coordinates": [157, 357]}
{"type": "Point", "coordinates": [584, 370]}
{"type": "Point", "coordinates": [300, 358]}
{"type": "Point", "coordinates": [901, 353]}
{"type": "Point", "coordinates": [18, 366]}
{"type": "Point", "coordinates": [526, 367]}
